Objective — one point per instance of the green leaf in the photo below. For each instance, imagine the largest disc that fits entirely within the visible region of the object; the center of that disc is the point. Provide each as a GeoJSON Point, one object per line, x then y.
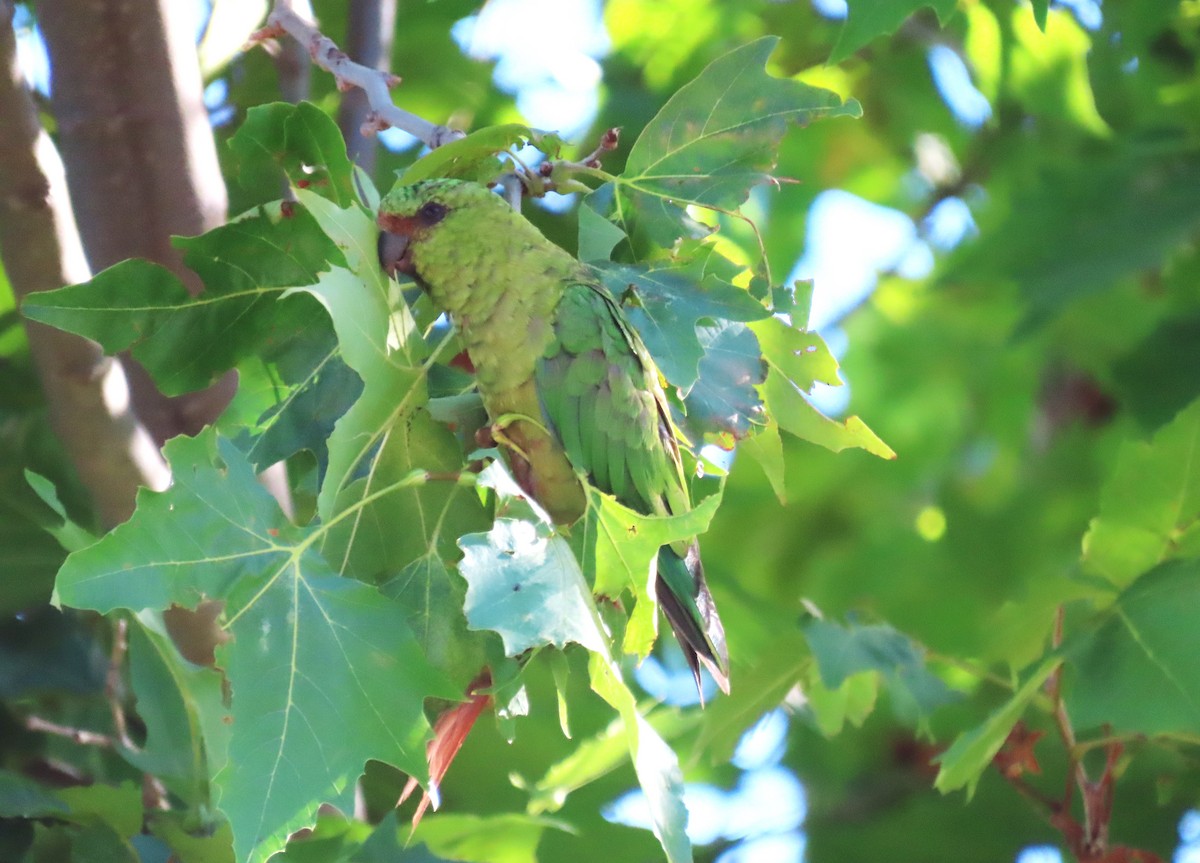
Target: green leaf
{"type": "Point", "coordinates": [433, 604]}
{"type": "Point", "coordinates": [366, 544]}
{"type": "Point", "coordinates": [23, 798]}
{"type": "Point", "coordinates": [795, 414]}
{"type": "Point", "coordinates": [655, 764]}
{"type": "Point", "coordinates": [1161, 375]}
{"type": "Point", "coordinates": [1041, 9]}
{"type": "Point", "coordinates": [378, 339]}
{"type": "Point", "coordinates": [766, 447]}
{"type": "Point", "coordinates": [308, 386]}
{"type": "Point", "coordinates": [1149, 503]}
{"type": "Point", "coordinates": [599, 755]}
{"type": "Point", "coordinates": [172, 696]}
{"type": "Point", "coordinates": [1134, 669]}
{"type": "Point", "coordinates": [597, 235]}
{"type": "Point", "coordinates": [724, 404]}
{"type": "Point", "coordinates": [971, 753]}
{"type": "Point", "coordinates": [187, 342]}
{"type": "Point", "coordinates": [524, 583]}
{"type": "Point", "coordinates": [116, 806]}
{"type": "Point", "coordinates": [299, 143]}
{"type": "Point", "coordinates": [619, 547]}
{"type": "Point", "coordinates": [324, 671]}
{"type": "Point", "coordinates": [508, 838]}
{"type": "Point", "coordinates": [796, 359]}
{"type": "Point", "coordinates": [70, 535]}
{"type": "Point", "coordinates": [668, 304]}
{"type": "Point", "coordinates": [842, 652]}
{"type": "Point", "coordinates": [717, 137]}
{"type": "Point", "coordinates": [851, 702]}
{"type": "Point", "coordinates": [475, 157]}
{"type": "Point", "coordinates": [868, 19]}
{"type": "Point", "coordinates": [799, 355]}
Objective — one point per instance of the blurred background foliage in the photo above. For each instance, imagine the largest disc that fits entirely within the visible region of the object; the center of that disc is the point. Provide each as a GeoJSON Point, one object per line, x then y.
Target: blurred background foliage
{"type": "Point", "coordinates": [1003, 254]}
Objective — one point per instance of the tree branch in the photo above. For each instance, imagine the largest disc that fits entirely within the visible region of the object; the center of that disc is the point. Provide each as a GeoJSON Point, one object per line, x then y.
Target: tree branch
{"type": "Point", "coordinates": [286, 19]}
{"type": "Point", "coordinates": [368, 41]}
{"type": "Point", "coordinates": [87, 392]}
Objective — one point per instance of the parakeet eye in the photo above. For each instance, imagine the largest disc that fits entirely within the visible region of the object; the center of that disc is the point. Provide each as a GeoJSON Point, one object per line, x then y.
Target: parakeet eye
{"type": "Point", "coordinates": [432, 213]}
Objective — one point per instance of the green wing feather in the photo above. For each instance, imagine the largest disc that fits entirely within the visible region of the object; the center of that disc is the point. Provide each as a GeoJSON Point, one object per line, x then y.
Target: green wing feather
{"type": "Point", "coordinates": [599, 392]}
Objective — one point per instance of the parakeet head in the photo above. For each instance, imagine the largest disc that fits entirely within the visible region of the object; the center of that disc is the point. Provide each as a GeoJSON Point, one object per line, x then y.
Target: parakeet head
{"type": "Point", "coordinates": [449, 210]}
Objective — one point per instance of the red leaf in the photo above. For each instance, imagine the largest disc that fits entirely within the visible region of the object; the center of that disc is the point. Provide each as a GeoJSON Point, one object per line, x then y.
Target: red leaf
{"type": "Point", "coordinates": [449, 732]}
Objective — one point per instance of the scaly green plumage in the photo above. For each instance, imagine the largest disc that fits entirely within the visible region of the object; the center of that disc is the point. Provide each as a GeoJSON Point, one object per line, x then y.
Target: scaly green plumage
{"type": "Point", "coordinates": [554, 354]}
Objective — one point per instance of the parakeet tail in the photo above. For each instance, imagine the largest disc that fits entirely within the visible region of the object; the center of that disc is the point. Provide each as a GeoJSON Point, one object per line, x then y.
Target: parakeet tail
{"type": "Point", "coordinates": [692, 613]}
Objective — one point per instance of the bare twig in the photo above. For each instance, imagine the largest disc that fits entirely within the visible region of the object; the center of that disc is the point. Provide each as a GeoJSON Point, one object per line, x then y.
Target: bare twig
{"type": "Point", "coordinates": [1087, 840]}
{"type": "Point", "coordinates": [294, 18]}
{"type": "Point", "coordinates": [79, 735]}
{"type": "Point", "coordinates": [112, 682]}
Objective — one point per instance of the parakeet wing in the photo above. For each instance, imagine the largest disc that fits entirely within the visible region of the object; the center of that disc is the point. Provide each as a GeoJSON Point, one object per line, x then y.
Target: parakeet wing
{"type": "Point", "coordinates": [599, 390]}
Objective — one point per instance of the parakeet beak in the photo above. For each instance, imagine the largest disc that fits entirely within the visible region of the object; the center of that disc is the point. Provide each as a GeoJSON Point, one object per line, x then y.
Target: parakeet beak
{"type": "Point", "coordinates": [395, 247]}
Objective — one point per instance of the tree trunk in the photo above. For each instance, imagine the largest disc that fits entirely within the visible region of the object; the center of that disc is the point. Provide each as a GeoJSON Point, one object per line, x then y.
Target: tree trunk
{"type": "Point", "coordinates": [139, 153]}
{"type": "Point", "coordinates": [87, 392]}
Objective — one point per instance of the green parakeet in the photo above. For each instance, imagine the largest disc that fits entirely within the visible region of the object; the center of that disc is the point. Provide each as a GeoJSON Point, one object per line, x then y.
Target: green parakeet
{"type": "Point", "coordinates": [568, 384]}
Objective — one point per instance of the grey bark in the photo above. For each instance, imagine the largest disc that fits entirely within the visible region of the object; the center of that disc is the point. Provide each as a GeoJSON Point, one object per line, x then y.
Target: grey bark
{"type": "Point", "coordinates": [139, 152]}
{"type": "Point", "coordinates": [370, 26]}
{"type": "Point", "coordinates": [86, 392]}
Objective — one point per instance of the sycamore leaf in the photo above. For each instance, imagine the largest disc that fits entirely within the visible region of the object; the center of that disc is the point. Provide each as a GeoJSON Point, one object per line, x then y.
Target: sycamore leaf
{"type": "Point", "coordinates": [599, 755]}
{"type": "Point", "coordinates": [724, 405]}
{"type": "Point", "coordinates": [378, 339]}
{"type": "Point", "coordinates": [800, 355]}
{"type": "Point", "coordinates": [324, 671]}
{"type": "Point", "coordinates": [868, 19]}
{"type": "Point", "coordinates": [70, 535]}
{"type": "Point", "coordinates": [505, 838]}
{"type": "Point", "coordinates": [302, 143]}
{"type": "Point", "coordinates": [765, 446]}
{"type": "Point", "coordinates": [1161, 375]}
{"type": "Point", "coordinates": [476, 156]}
{"type": "Point", "coordinates": [971, 753]}
{"type": "Point", "coordinates": [187, 342]}
{"type": "Point", "coordinates": [667, 305]}
{"type": "Point", "coordinates": [796, 359]}
{"type": "Point", "coordinates": [172, 696]}
{"type": "Point", "coordinates": [366, 544]}
{"type": "Point", "coordinates": [717, 137]}
{"type": "Point", "coordinates": [619, 547]}
{"type": "Point", "coordinates": [23, 798]}
{"type": "Point", "coordinates": [1134, 668]}
{"type": "Point", "coordinates": [524, 583]}
{"type": "Point", "coordinates": [853, 701]}
{"type": "Point", "coordinates": [432, 600]}
{"type": "Point", "coordinates": [597, 235]}
{"type": "Point", "coordinates": [655, 764]}
{"type": "Point", "coordinates": [304, 387]}
{"type": "Point", "coordinates": [1149, 503]}
{"type": "Point", "coordinates": [842, 652]}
